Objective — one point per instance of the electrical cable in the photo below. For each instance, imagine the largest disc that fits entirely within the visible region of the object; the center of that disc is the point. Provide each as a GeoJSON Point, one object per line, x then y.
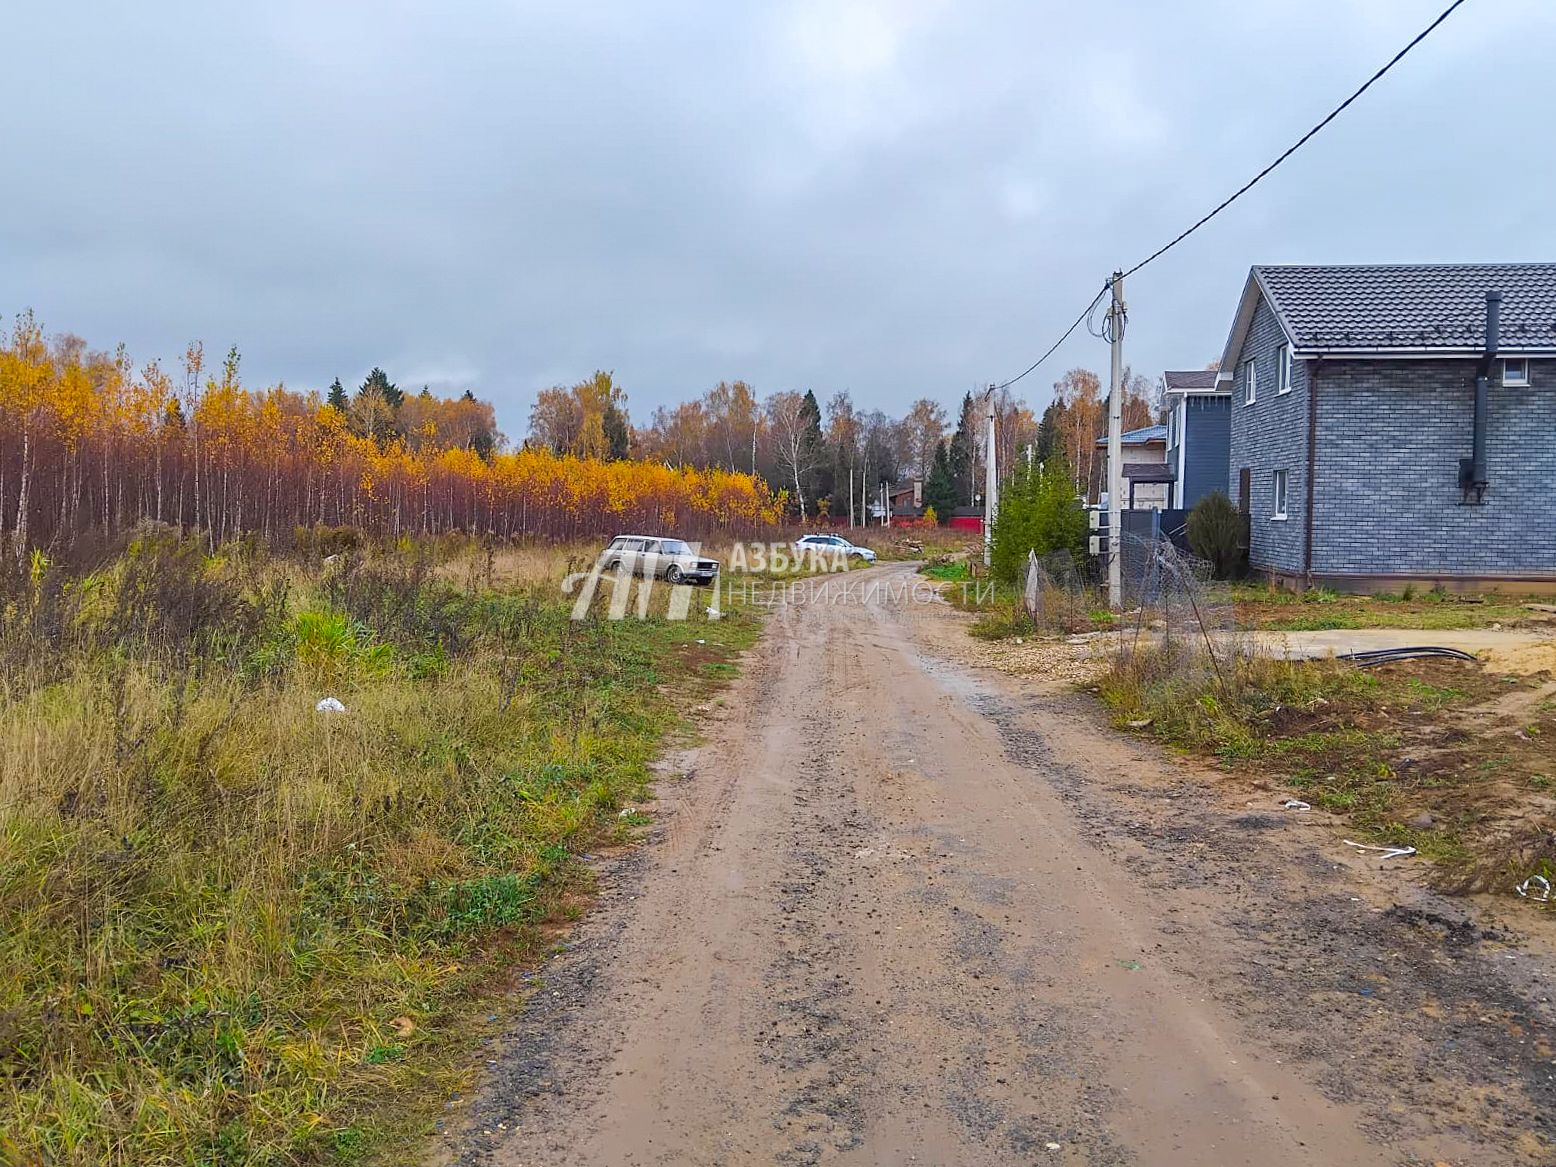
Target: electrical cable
{"type": "Point", "coordinates": [1235, 195]}
{"type": "Point", "coordinates": [1299, 143]}
{"type": "Point", "coordinates": [1055, 346]}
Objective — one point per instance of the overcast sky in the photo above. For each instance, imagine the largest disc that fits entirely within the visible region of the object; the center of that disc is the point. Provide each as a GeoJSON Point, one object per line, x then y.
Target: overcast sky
{"type": "Point", "coordinates": [897, 198]}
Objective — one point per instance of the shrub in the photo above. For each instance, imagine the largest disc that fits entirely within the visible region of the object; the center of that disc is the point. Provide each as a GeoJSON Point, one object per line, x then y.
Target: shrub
{"type": "Point", "coordinates": [1038, 513]}
{"type": "Point", "coordinates": [1218, 533]}
{"type": "Point", "coordinates": [172, 601]}
{"type": "Point", "coordinates": [323, 540]}
{"type": "Point", "coordinates": [400, 599]}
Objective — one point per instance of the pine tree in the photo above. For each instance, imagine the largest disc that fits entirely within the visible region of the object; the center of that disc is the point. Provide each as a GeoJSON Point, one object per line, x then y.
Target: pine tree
{"type": "Point", "coordinates": [1049, 438]}
{"type": "Point", "coordinates": [1038, 512]}
{"type": "Point", "coordinates": [940, 491]}
{"type": "Point", "coordinates": [818, 481]}
{"type": "Point", "coordinates": [378, 380]}
{"type": "Point", "coordinates": [618, 439]}
{"type": "Point", "coordinates": [337, 395]}
{"type": "Point", "coordinates": [962, 452]}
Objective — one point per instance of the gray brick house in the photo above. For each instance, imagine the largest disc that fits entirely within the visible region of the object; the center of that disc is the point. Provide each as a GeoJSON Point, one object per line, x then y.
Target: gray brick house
{"type": "Point", "coordinates": [1354, 426]}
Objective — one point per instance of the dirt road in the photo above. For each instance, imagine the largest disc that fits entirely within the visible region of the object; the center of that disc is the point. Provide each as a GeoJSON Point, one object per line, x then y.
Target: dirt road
{"type": "Point", "coordinates": [900, 911]}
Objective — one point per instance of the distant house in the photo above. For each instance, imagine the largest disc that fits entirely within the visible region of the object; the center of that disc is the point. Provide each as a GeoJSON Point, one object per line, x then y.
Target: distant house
{"type": "Point", "coordinates": [1199, 419]}
{"type": "Point", "coordinates": [906, 499]}
{"type": "Point", "coordinates": [1361, 446]}
{"type": "Point", "coordinates": [1147, 476]}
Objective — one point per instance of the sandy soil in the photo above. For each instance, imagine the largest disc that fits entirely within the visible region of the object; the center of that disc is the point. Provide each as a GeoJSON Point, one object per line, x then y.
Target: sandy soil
{"type": "Point", "coordinates": [903, 909]}
{"type": "Point", "coordinates": [1515, 651]}
{"type": "Point", "coordinates": [1527, 653]}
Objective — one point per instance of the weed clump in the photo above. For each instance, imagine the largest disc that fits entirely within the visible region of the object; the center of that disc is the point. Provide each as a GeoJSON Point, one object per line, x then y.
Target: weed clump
{"type": "Point", "coordinates": [1412, 754]}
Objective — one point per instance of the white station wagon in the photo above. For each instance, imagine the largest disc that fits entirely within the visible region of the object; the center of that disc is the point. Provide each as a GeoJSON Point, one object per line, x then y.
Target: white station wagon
{"type": "Point", "coordinates": [825, 545]}
{"type": "Point", "coordinates": [653, 557]}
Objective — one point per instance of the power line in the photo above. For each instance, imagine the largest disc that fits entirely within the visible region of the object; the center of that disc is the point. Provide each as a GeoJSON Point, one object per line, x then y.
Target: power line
{"type": "Point", "coordinates": [1054, 347]}
{"type": "Point", "coordinates": [1247, 186]}
{"type": "Point", "coordinates": [1300, 142]}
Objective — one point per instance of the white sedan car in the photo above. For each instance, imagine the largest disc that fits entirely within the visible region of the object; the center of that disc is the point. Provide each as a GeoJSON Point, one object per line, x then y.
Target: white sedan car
{"type": "Point", "coordinates": [832, 545]}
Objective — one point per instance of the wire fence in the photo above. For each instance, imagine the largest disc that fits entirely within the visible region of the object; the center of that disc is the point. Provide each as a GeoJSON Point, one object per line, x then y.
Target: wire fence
{"type": "Point", "coordinates": [1171, 610]}
{"type": "Point", "coordinates": [1059, 595]}
{"type": "Point", "coordinates": [1174, 610]}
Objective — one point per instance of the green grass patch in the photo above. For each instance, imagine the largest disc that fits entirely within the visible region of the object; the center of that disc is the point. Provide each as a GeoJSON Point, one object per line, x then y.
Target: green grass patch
{"type": "Point", "coordinates": [1315, 622]}
{"type": "Point", "coordinates": [947, 572]}
{"type": "Point", "coordinates": [1321, 609]}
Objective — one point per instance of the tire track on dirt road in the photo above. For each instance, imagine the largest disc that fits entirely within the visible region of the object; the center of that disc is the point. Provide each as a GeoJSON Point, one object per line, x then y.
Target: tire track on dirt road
{"type": "Point", "coordinates": [898, 913]}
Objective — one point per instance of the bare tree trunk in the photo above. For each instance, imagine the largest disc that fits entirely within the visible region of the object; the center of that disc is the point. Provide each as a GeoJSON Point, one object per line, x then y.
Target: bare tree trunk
{"type": "Point", "coordinates": [21, 503]}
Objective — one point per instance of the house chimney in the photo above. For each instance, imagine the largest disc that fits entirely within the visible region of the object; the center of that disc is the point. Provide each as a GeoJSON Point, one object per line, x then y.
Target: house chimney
{"type": "Point", "coordinates": [1472, 470]}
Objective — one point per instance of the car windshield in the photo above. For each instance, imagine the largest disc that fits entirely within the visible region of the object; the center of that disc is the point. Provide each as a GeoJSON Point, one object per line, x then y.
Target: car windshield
{"type": "Point", "coordinates": [674, 547]}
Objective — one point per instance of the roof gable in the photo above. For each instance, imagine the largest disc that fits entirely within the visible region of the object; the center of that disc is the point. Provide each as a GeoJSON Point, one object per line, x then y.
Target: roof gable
{"type": "Point", "coordinates": [1189, 380]}
{"type": "Point", "coordinates": [1391, 308]}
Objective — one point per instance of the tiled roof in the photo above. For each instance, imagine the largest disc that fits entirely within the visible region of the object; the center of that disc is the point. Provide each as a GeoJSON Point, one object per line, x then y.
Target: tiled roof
{"type": "Point", "coordinates": [1430, 306]}
{"type": "Point", "coordinates": [1190, 379]}
{"type": "Point", "coordinates": [1139, 437]}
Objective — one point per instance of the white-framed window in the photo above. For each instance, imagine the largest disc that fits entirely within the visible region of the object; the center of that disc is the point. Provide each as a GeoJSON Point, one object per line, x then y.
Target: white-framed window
{"type": "Point", "coordinates": [1278, 510]}
{"type": "Point", "coordinates": [1283, 369]}
{"type": "Point", "coordinates": [1250, 382]}
{"type": "Point", "coordinates": [1515, 371]}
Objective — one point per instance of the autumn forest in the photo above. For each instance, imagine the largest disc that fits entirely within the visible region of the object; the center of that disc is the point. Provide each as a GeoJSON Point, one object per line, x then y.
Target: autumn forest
{"type": "Point", "coordinates": [89, 444]}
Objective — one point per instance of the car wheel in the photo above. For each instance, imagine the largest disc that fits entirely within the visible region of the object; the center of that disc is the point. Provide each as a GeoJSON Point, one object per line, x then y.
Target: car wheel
{"type": "Point", "coordinates": [673, 574]}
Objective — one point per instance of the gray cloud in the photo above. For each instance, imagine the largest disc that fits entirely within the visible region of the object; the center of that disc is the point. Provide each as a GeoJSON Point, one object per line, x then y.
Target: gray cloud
{"type": "Point", "coordinates": [900, 198]}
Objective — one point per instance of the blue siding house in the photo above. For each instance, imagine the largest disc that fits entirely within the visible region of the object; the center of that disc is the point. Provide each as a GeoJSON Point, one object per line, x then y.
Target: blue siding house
{"type": "Point", "coordinates": [1396, 423]}
{"type": "Point", "coordinates": [1199, 434]}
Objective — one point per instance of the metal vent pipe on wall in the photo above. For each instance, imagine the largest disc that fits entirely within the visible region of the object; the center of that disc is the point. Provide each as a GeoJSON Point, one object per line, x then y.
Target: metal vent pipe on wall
{"type": "Point", "coordinates": [1472, 470]}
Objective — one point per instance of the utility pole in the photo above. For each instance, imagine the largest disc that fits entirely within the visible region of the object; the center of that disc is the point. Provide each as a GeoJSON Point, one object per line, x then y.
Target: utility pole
{"type": "Point", "coordinates": [990, 485]}
{"type": "Point", "coordinates": [1116, 318]}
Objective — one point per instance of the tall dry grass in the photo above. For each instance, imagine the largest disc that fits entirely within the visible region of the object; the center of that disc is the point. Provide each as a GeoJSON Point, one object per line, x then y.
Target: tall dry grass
{"type": "Point", "coordinates": [232, 927]}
